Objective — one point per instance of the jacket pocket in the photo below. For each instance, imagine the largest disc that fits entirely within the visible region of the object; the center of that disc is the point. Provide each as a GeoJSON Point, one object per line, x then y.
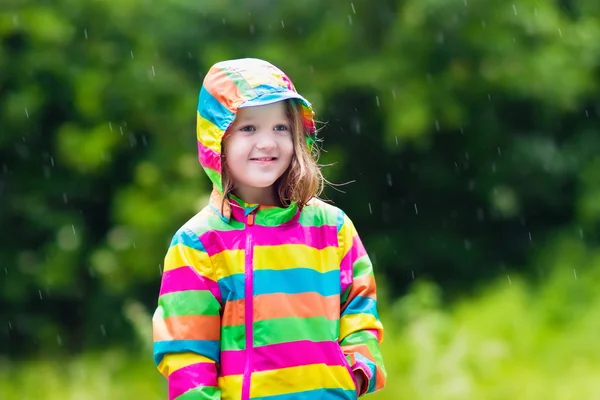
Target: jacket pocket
{"type": "Point", "coordinates": [349, 370]}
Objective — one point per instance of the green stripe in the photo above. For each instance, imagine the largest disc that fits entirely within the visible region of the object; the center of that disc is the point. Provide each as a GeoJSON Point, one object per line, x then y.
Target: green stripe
{"type": "Point", "coordinates": [359, 337]}
{"type": "Point", "coordinates": [362, 266]}
{"type": "Point", "coordinates": [215, 177]}
{"type": "Point", "coordinates": [189, 302]}
{"type": "Point", "coordinates": [318, 216]}
{"type": "Point", "coordinates": [204, 393]}
{"type": "Point", "coordinates": [233, 337]}
{"type": "Point", "coordinates": [291, 329]}
{"type": "Point", "coordinates": [241, 82]}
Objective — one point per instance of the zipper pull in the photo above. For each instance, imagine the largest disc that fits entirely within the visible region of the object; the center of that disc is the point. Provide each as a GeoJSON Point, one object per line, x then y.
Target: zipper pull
{"type": "Point", "coordinates": [251, 219]}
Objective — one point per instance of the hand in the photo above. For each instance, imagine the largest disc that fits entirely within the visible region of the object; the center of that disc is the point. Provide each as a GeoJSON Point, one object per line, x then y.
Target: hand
{"type": "Point", "coordinates": [360, 381]}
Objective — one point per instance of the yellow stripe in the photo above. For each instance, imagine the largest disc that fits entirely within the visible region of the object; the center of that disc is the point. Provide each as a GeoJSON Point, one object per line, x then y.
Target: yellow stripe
{"type": "Point", "coordinates": [231, 261]}
{"type": "Point", "coordinates": [355, 322]}
{"type": "Point", "coordinates": [309, 377]}
{"type": "Point", "coordinates": [231, 386]}
{"type": "Point", "coordinates": [173, 362]}
{"type": "Point", "coordinates": [180, 255]}
{"type": "Point", "coordinates": [208, 133]}
{"type": "Point", "coordinates": [289, 256]}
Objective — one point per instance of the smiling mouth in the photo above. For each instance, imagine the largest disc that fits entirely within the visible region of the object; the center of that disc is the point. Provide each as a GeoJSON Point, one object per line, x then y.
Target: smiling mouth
{"type": "Point", "coordinates": [264, 159]}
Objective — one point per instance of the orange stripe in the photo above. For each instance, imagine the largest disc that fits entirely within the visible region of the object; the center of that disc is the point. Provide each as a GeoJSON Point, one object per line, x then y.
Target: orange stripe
{"type": "Point", "coordinates": [188, 327]}
{"type": "Point", "coordinates": [223, 89]}
{"type": "Point", "coordinates": [363, 286]}
{"type": "Point", "coordinates": [303, 305]}
{"type": "Point", "coordinates": [233, 313]}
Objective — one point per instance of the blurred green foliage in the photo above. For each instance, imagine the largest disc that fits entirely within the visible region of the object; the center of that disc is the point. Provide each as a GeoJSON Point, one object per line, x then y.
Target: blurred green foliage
{"type": "Point", "coordinates": [468, 128]}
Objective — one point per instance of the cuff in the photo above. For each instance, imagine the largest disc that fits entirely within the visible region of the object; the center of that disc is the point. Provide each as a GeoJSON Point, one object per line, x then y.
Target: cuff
{"type": "Point", "coordinates": [359, 366]}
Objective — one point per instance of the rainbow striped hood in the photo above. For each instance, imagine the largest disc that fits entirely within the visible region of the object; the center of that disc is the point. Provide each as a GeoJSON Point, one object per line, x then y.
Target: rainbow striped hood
{"type": "Point", "coordinates": [230, 85]}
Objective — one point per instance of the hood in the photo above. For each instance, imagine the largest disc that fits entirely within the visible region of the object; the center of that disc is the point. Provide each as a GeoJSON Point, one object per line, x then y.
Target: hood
{"type": "Point", "coordinates": [232, 84]}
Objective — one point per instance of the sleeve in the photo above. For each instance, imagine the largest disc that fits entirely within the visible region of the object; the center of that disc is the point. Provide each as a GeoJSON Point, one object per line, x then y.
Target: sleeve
{"type": "Point", "coordinates": [361, 331]}
{"type": "Point", "coordinates": [186, 323]}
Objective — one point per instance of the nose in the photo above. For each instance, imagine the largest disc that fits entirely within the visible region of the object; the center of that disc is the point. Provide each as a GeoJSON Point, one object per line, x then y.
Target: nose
{"type": "Point", "coordinates": [265, 141]}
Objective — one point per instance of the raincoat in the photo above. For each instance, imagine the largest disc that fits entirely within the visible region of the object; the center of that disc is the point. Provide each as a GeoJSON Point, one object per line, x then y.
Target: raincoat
{"type": "Point", "coordinates": [264, 302]}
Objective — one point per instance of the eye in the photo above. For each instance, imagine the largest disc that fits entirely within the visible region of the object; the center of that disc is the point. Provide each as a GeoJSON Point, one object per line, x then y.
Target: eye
{"type": "Point", "coordinates": [282, 127]}
{"type": "Point", "coordinates": [248, 128]}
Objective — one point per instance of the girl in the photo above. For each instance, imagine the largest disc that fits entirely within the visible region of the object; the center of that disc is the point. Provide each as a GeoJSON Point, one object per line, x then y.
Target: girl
{"type": "Point", "coordinates": [267, 293]}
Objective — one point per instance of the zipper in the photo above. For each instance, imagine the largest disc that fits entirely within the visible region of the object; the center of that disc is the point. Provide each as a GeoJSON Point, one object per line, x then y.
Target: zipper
{"type": "Point", "coordinates": [249, 306]}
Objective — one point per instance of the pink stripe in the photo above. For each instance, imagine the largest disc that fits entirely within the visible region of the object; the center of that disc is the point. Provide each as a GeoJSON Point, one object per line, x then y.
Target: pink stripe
{"type": "Point", "coordinates": [190, 377]}
{"type": "Point", "coordinates": [375, 333]}
{"type": "Point", "coordinates": [312, 236]}
{"type": "Point", "coordinates": [185, 278]}
{"type": "Point", "coordinates": [208, 157]}
{"type": "Point", "coordinates": [283, 355]}
{"type": "Point", "coordinates": [347, 265]}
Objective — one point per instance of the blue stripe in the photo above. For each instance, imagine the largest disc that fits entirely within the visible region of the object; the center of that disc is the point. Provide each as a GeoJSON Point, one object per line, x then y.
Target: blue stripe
{"type": "Point", "coordinates": [362, 305]}
{"type": "Point", "coordinates": [207, 348]}
{"type": "Point", "coordinates": [188, 238]}
{"type": "Point", "coordinates": [340, 220]}
{"type": "Point", "coordinates": [296, 280]}
{"type": "Point", "coordinates": [232, 287]}
{"type": "Point", "coordinates": [213, 111]}
{"type": "Point", "coordinates": [319, 394]}
{"type": "Point", "coordinates": [371, 365]}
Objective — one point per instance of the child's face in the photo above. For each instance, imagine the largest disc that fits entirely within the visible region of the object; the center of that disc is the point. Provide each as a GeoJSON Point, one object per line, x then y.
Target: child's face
{"type": "Point", "coordinates": [259, 147]}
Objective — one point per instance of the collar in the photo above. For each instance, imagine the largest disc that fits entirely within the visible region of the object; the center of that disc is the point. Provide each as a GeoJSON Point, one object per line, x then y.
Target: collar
{"type": "Point", "coordinates": [239, 210]}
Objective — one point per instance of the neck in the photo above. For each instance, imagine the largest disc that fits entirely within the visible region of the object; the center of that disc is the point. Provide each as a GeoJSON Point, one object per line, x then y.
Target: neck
{"type": "Point", "coordinates": [263, 196]}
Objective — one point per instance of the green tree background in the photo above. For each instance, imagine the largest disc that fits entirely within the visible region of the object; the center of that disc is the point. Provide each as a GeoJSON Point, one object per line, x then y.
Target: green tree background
{"type": "Point", "coordinates": [468, 130]}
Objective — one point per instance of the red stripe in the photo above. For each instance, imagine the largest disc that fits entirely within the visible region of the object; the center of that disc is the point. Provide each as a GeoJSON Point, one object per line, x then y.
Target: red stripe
{"type": "Point", "coordinates": [282, 355]}
{"type": "Point", "coordinates": [190, 377]}
{"type": "Point", "coordinates": [318, 237]}
{"type": "Point", "coordinates": [185, 278]}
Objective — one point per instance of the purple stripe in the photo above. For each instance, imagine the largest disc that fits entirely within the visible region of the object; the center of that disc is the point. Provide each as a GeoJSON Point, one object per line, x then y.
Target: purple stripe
{"type": "Point", "coordinates": [347, 265]}
{"type": "Point", "coordinates": [208, 157]}
{"type": "Point", "coordinates": [282, 355]}
{"type": "Point", "coordinates": [190, 377]}
{"type": "Point", "coordinates": [186, 278]}
{"type": "Point", "coordinates": [318, 237]}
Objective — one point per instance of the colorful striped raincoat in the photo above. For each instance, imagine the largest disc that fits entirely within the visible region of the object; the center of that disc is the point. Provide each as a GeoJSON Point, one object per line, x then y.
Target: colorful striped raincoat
{"type": "Point", "coordinates": [264, 302]}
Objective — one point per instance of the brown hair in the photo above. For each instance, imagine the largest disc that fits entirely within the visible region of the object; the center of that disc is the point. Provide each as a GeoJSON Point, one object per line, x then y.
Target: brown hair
{"type": "Point", "coordinates": [303, 178]}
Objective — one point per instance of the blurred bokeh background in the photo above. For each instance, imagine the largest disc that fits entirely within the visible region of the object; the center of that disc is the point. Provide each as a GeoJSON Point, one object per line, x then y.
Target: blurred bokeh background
{"type": "Point", "coordinates": [465, 134]}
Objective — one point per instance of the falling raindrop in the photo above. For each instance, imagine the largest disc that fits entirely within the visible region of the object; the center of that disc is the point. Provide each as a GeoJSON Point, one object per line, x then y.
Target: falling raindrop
{"type": "Point", "coordinates": [394, 94]}
{"type": "Point", "coordinates": [581, 233]}
{"type": "Point", "coordinates": [9, 325]}
{"type": "Point", "coordinates": [489, 97]}
{"type": "Point", "coordinates": [467, 244]}
{"type": "Point", "coordinates": [131, 54]}
{"type": "Point", "coordinates": [73, 227]}
{"type": "Point", "coordinates": [559, 32]}
{"type": "Point", "coordinates": [153, 71]}
{"type": "Point", "coordinates": [85, 34]}
{"type": "Point", "coordinates": [102, 329]}
{"type": "Point", "coordinates": [377, 100]}
{"type": "Point", "coordinates": [389, 179]}
{"type": "Point", "coordinates": [110, 126]}
{"type": "Point", "coordinates": [370, 209]}
{"type": "Point", "coordinates": [353, 9]}
{"type": "Point", "coordinates": [416, 209]}
{"type": "Point", "coordinates": [483, 23]}
{"type": "Point", "coordinates": [499, 151]}
{"type": "Point", "coordinates": [437, 125]}
{"type": "Point", "coordinates": [515, 9]}
{"type": "Point", "coordinates": [15, 20]}
{"type": "Point", "coordinates": [396, 140]}
{"type": "Point", "coordinates": [121, 129]}
{"type": "Point", "coordinates": [575, 273]}
{"type": "Point", "coordinates": [349, 19]}
{"type": "Point", "coordinates": [509, 282]}
{"type": "Point", "coordinates": [65, 199]}
{"type": "Point", "coordinates": [59, 340]}
{"type": "Point", "coordinates": [52, 161]}
{"type": "Point", "coordinates": [282, 24]}
{"type": "Point", "coordinates": [586, 114]}
{"type": "Point", "coordinates": [27, 113]}
{"type": "Point", "coordinates": [40, 292]}
{"type": "Point", "coordinates": [529, 236]}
